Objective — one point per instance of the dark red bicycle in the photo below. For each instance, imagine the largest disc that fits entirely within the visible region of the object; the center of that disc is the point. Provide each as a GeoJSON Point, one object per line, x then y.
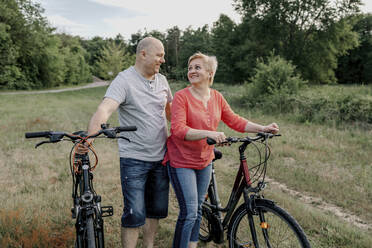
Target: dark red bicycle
{"type": "Point", "coordinates": [258, 222]}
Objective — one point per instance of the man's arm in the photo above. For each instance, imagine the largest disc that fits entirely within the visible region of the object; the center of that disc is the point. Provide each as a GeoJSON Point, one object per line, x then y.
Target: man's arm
{"type": "Point", "coordinates": [168, 111]}
{"type": "Point", "coordinates": [103, 113]}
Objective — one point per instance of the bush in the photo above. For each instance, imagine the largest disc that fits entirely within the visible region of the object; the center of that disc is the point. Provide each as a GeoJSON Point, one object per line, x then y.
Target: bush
{"type": "Point", "coordinates": [319, 108]}
{"type": "Point", "coordinates": [276, 77]}
{"type": "Point", "coordinates": [273, 83]}
{"type": "Point", "coordinates": [341, 108]}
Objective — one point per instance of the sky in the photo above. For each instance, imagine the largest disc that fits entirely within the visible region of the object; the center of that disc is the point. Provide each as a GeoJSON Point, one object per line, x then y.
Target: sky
{"type": "Point", "coordinates": [107, 18]}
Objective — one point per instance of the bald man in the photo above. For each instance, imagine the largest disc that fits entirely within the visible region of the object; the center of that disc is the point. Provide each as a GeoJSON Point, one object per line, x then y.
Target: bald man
{"type": "Point", "coordinates": [142, 97]}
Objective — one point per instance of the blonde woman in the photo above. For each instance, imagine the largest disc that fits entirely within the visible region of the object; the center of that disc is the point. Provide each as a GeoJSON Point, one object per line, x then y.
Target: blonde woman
{"type": "Point", "coordinates": [196, 113]}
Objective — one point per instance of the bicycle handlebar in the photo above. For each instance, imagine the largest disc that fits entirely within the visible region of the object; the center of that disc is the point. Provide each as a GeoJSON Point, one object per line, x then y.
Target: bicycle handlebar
{"type": "Point", "coordinates": [229, 140]}
{"type": "Point", "coordinates": [58, 136]}
{"type": "Point", "coordinates": [45, 134]}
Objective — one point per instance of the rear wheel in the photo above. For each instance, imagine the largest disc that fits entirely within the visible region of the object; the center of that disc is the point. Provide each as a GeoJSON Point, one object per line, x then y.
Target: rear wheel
{"type": "Point", "coordinates": [274, 227]}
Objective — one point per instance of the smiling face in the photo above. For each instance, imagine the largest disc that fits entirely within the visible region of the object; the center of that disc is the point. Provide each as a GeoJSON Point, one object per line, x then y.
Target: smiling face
{"type": "Point", "coordinates": [149, 57]}
{"type": "Point", "coordinates": [197, 72]}
{"type": "Point", "coordinates": [153, 58]}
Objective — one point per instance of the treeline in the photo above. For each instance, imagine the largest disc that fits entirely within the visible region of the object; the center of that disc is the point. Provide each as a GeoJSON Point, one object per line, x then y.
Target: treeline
{"type": "Point", "coordinates": [324, 41]}
{"type": "Point", "coordinates": [31, 56]}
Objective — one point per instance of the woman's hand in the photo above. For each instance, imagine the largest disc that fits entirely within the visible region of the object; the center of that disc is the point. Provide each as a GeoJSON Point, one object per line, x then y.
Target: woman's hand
{"type": "Point", "coordinates": [271, 128]}
{"type": "Point", "coordinates": [217, 136]}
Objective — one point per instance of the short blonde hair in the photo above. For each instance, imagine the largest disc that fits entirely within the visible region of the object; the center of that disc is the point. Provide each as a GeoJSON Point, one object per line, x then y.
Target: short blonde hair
{"type": "Point", "coordinates": [210, 63]}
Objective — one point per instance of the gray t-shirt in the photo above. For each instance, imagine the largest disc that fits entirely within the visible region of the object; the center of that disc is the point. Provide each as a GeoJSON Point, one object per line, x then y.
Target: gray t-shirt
{"type": "Point", "coordinates": [142, 104]}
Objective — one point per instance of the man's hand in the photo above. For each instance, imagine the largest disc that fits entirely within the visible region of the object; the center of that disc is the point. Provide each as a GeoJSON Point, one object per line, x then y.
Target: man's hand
{"type": "Point", "coordinates": [83, 148]}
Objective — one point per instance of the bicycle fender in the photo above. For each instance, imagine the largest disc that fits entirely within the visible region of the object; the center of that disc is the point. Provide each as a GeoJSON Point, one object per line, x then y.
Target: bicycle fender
{"type": "Point", "coordinates": [264, 201]}
{"type": "Point", "coordinates": [253, 202]}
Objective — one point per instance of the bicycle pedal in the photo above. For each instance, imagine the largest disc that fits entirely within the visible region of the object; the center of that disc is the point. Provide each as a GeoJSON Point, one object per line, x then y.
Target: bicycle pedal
{"type": "Point", "coordinates": [107, 211]}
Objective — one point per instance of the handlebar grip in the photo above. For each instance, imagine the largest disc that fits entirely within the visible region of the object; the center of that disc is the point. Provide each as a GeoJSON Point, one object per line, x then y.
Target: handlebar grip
{"type": "Point", "coordinates": [126, 129]}
{"type": "Point", "coordinates": [211, 141]}
{"type": "Point", "coordinates": [30, 135]}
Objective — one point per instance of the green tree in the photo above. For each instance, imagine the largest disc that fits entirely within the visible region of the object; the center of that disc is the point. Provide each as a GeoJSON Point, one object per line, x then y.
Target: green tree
{"type": "Point", "coordinates": [114, 59]}
{"type": "Point", "coordinates": [223, 41]}
{"type": "Point", "coordinates": [10, 73]}
{"type": "Point", "coordinates": [355, 66]}
{"type": "Point", "coordinates": [311, 34]}
{"type": "Point", "coordinates": [192, 41]}
{"type": "Point", "coordinates": [31, 56]}
{"type": "Point", "coordinates": [94, 48]}
{"type": "Point", "coordinates": [172, 50]}
{"type": "Point", "coordinates": [77, 70]}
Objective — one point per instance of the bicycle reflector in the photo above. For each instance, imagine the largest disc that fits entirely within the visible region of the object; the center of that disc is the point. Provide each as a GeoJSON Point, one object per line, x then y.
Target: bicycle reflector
{"type": "Point", "coordinates": [264, 225]}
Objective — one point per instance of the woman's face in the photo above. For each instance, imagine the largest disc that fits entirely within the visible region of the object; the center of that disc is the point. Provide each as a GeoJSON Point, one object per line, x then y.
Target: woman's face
{"type": "Point", "coordinates": [197, 72]}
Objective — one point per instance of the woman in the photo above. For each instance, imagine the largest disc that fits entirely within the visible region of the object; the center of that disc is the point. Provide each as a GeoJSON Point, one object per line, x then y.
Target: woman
{"type": "Point", "coordinates": [196, 112]}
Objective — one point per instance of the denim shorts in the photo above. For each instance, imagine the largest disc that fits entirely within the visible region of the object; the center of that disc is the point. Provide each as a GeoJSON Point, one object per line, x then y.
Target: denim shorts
{"type": "Point", "coordinates": [145, 187]}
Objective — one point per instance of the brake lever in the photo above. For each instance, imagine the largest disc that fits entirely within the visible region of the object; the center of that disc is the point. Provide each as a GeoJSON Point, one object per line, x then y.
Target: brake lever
{"type": "Point", "coordinates": [109, 133]}
{"type": "Point", "coordinates": [41, 143]}
{"type": "Point", "coordinates": [49, 141]}
{"type": "Point", "coordinates": [121, 137]}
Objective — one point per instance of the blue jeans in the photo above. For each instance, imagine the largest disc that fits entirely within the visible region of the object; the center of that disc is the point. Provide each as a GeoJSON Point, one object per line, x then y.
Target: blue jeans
{"type": "Point", "coordinates": [145, 187]}
{"type": "Point", "coordinates": [190, 186]}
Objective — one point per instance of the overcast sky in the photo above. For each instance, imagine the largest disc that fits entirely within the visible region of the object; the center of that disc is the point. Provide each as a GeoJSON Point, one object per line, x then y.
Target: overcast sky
{"type": "Point", "coordinates": [107, 18]}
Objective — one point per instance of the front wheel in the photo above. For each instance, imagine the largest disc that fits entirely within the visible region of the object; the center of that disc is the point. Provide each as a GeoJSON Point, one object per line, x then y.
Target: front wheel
{"type": "Point", "coordinates": [86, 237]}
{"type": "Point", "coordinates": [273, 226]}
{"type": "Point", "coordinates": [90, 237]}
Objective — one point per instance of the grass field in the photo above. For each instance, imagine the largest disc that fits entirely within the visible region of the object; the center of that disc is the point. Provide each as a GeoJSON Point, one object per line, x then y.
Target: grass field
{"type": "Point", "coordinates": [331, 163]}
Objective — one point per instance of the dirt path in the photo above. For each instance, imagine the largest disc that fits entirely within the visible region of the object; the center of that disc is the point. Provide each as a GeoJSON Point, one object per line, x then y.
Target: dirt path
{"type": "Point", "coordinates": [323, 205]}
{"type": "Point", "coordinates": [96, 83]}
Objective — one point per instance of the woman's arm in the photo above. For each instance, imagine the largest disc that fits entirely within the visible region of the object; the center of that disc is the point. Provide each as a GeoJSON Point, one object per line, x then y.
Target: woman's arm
{"type": "Point", "coordinates": [235, 121]}
{"type": "Point", "coordinates": [252, 127]}
{"type": "Point", "coordinates": [196, 134]}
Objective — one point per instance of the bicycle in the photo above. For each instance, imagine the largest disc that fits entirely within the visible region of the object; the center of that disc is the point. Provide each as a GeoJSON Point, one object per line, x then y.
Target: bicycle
{"type": "Point", "coordinates": [258, 222]}
{"type": "Point", "coordinates": [87, 209]}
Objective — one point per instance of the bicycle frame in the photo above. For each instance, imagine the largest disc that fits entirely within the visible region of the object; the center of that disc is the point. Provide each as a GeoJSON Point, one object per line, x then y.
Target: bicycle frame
{"type": "Point", "coordinates": [86, 202]}
{"type": "Point", "coordinates": [242, 186]}
{"type": "Point", "coordinates": [242, 180]}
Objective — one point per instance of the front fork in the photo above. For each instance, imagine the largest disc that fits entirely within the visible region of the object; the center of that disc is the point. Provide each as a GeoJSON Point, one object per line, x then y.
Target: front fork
{"type": "Point", "coordinates": [250, 202]}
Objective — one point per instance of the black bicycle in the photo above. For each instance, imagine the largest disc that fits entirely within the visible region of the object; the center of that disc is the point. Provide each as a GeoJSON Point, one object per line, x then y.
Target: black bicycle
{"type": "Point", "coordinates": [257, 222]}
{"type": "Point", "coordinates": [87, 209]}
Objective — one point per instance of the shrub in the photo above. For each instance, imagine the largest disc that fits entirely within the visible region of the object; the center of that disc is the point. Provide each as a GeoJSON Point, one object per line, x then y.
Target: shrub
{"type": "Point", "coordinates": [272, 84]}
{"type": "Point", "coordinates": [276, 77]}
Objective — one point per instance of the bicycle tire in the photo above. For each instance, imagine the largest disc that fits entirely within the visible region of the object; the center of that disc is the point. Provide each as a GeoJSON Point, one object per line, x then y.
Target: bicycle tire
{"type": "Point", "coordinates": [86, 239]}
{"type": "Point", "coordinates": [282, 230]}
{"type": "Point", "coordinates": [205, 234]}
{"type": "Point", "coordinates": [100, 237]}
{"type": "Point", "coordinates": [90, 236]}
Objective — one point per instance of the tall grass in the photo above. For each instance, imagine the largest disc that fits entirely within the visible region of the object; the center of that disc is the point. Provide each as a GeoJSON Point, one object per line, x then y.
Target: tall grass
{"type": "Point", "coordinates": [326, 161]}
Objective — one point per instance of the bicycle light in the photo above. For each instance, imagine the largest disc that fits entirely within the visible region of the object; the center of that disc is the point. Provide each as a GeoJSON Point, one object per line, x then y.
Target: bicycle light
{"type": "Point", "coordinates": [87, 197]}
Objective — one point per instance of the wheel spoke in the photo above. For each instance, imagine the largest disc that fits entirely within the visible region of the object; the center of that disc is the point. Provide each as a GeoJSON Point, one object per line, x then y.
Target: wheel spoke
{"type": "Point", "coordinates": [274, 229]}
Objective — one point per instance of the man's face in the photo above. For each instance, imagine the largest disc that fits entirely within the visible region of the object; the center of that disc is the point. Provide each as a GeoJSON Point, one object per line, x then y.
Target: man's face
{"type": "Point", "coordinates": [154, 57]}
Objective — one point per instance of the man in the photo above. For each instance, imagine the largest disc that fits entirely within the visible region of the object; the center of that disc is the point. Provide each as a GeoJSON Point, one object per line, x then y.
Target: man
{"type": "Point", "coordinates": [142, 97]}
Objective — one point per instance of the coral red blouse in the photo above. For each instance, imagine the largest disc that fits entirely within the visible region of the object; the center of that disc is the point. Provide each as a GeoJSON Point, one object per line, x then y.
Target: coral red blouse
{"type": "Point", "coordinates": [189, 112]}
